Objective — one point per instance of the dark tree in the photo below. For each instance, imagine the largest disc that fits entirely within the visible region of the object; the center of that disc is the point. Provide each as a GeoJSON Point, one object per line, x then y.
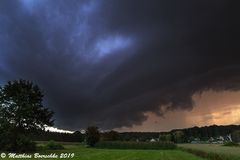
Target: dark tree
{"type": "Point", "coordinates": [21, 106]}
{"type": "Point", "coordinates": [78, 136]}
{"type": "Point", "coordinates": [178, 136]}
{"type": "Point", "coordinates": [21, 111]}
{"type": "Point", "coordinates": [92, 135]}
{"type": "Point", "coordinates": [236, 136]}
{"type": "Point", "coordinates": [110, 136]}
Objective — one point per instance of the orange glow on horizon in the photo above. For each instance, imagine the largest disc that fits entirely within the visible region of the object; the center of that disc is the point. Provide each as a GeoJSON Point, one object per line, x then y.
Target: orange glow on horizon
{"type": "Point", "coordinates": [220, 108]}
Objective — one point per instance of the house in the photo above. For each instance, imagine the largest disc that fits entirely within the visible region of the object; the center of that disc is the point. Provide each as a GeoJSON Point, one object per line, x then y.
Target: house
{"type": "Point", "coordinates": [153, 140]}
{"type": "Point", "coordinates": [228, 138]}
{"type": "Point", "coordinates": [220, 138]}
{"type": "Point", "coordinates": [195, 140]}
{"type": "Point", "coordinates": [217, 140]}
{"type": "Point", "coordinates": [211, 139]}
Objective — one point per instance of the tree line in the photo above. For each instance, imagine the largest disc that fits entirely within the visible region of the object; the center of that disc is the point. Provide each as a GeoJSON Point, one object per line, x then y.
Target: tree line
{"type": "Point", "coordinates": [178, 136]}
{"type": "Point", "coordinates": [185, 135]}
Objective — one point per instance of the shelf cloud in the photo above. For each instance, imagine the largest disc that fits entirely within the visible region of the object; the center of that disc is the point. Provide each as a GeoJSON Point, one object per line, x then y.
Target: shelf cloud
{"type": "Point", "coordinates": [106, 64]}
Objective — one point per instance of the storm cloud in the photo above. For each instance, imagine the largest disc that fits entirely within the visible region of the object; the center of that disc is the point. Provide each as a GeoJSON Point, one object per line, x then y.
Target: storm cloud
{"type": "Point", "coordinates": [106, 63]}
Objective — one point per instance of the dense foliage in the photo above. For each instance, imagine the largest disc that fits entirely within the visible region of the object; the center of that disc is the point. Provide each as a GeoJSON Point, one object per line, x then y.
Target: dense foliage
{"type": "Point", "coordinates": [21, 111]}
{"type": "Point", "coordinates": [110, 136]}
{"type": "Point", "coordinates": [92, 136]}
{"type": "Point", "coordinates": [41, 135]}
{"type": "Point", "coordinates": [236, 136]}
{"type": "Point", "coordinates": [21, 106]}
{"type": "Point", "coordinates": [209, 131]}
{"type": "Point", "coordinates": [184, 135]}
{"type": "Point", "coordinates": [138, 136]}
{"type": "Point", "coordinates": [9, 141]}
{"type": "Point", "coordinates": [177, 136]}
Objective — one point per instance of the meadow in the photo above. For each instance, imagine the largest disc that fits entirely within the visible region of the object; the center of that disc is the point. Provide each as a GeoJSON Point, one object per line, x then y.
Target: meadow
{"type": "Point", "coordinates": [183, 152]}
{"type": "Point", "coordinates": [212, 151]}
{"type": "Point", "coordinates": [82, 152]}
{"type": "Point", "coordinates": [135, 145]}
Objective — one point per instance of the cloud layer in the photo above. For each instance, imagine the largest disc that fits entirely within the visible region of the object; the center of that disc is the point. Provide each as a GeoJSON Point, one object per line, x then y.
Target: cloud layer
{"type": "Point", "coordinates": [106, 64]}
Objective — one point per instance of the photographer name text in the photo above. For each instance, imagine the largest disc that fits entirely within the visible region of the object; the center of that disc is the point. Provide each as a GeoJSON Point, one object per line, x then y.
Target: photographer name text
{"type": "Point", "coordinates": [37, 156]}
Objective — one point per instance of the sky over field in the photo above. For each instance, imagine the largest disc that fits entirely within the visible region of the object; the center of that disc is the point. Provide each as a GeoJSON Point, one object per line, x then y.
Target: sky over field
{"type": "Point", "coordinates": [127, 65]}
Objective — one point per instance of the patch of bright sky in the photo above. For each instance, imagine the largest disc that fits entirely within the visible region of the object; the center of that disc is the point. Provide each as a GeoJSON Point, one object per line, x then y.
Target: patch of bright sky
{"type": "Point", "coordinates": [220, 108]}
{"type": "Point", "coordinates": [89, 7]}
{"type": "Point", "coordinates": [29, 4]}
{"type": "Point", "coordinates": [54, 129]}
{"type": "Point", "coordinates": [112, 44]}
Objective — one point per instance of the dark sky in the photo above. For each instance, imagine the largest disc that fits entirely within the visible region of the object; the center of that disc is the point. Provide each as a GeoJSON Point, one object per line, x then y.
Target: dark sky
{"type": "Point", "coordinates": [107, 63]}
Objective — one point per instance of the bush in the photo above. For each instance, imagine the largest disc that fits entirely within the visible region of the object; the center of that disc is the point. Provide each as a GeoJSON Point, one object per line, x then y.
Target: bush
{"type": "Point", "coordinates": [20, 143]}
{"type": "Point", "coordinates": [53, 145]}
{"type": "Point", "coordinates": [110, 136]}
{"type": "Point", "coordinates": [24, 144]}
{"type": "Point", "coordinates": [135, 145]}
{"type": "Point", "coordinates": [231, 144]}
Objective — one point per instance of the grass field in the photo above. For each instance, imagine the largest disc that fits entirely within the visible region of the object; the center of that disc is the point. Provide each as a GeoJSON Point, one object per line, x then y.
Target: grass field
{"type": "Point", "coordinates": [83, 153]}
{"type": "Point", "coordinates": [216, 151]}
{"type": "Point", "coordinates": [116, 154]}
{"type": "Point", "coordinates": [209, 151]}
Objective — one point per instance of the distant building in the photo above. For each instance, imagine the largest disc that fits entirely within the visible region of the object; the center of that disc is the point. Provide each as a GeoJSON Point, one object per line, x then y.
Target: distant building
{"type": "Point", "coordinates": [153, 140]}
{"type": "Point", "coordinates": [195, 140]}
{"type": "Point", "coordinates": [229, 138]}
{"type": "Point", "coordinates": [220, 139]}
{"type": "Point", "coordinates": [211, 139]}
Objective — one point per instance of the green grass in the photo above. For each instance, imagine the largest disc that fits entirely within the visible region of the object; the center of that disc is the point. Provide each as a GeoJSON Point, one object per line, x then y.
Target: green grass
{"type": "Point", "coordinates": [231, 144]}
{"type": "Point", "coordinates": [135, 145]}
{"type": "Point", "coordinates": [213, 151]}
{"type": "Point", "coordinates": [83, 153]}
{"type": "Point", "coordinates": [117, 154]}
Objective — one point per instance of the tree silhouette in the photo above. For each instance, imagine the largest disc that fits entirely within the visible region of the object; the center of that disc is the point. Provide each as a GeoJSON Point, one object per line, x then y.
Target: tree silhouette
{"type": "Point", "coordinates": [21, 106]}
{"type": "Point", "coordinates": [22, 110]}
{"type": "Point", "coordinates": [92, 135]}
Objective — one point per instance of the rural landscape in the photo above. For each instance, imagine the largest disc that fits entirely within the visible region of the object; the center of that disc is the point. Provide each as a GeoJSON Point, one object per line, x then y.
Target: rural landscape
{"type": "Point", "coordinates": [23, 135]}
{"type": "Point", "coordinates": [119, 79]}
